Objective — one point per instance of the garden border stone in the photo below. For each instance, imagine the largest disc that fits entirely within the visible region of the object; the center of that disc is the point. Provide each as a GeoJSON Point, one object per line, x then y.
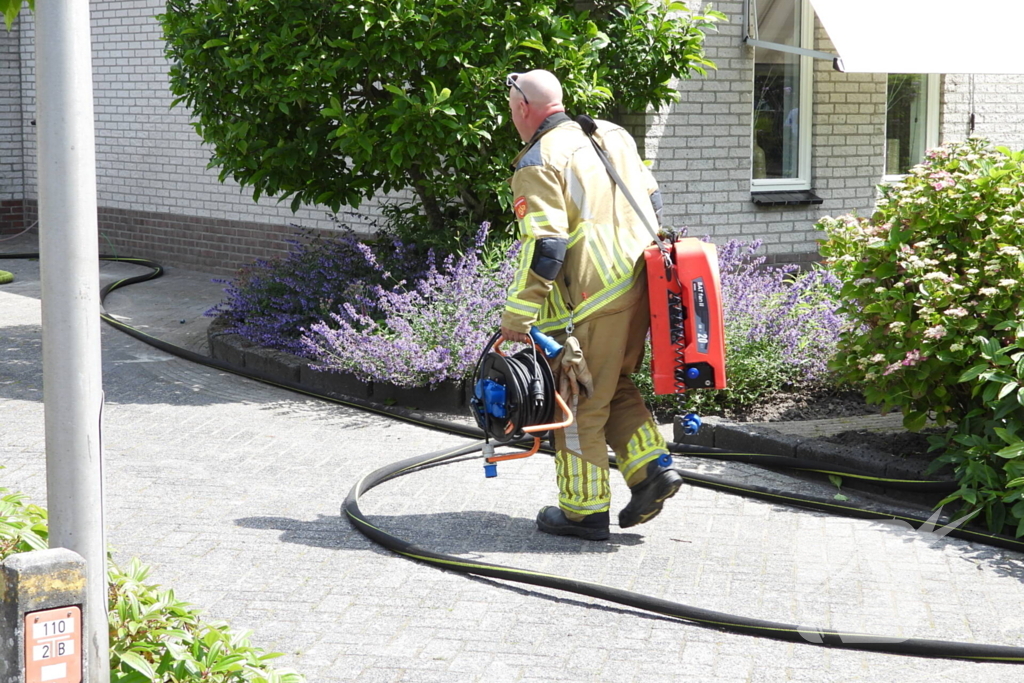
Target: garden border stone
{"type": "Point", "coordinates": [448, 397]}
{"type": "Point", "coordinates": [761, 438]}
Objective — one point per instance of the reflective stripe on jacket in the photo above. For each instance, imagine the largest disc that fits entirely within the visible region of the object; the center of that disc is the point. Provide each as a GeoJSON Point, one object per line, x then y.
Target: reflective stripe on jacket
{"type": "Point", "coordinates": [564, 195]}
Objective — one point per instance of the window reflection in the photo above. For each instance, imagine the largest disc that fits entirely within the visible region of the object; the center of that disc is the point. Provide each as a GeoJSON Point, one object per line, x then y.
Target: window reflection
{"type": "Point", "coordinates": [776, 125]}
{"type": "Point", "coordinates": [905, 119]}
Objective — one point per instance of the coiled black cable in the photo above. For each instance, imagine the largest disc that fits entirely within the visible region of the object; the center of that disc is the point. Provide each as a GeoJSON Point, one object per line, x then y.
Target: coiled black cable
{"type": "Point", "coordinates": [528, 385]}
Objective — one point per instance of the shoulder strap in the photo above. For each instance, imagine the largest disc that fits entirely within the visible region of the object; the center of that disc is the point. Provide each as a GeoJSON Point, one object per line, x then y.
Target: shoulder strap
{"type": "Point", "coordinates": [589, 126]}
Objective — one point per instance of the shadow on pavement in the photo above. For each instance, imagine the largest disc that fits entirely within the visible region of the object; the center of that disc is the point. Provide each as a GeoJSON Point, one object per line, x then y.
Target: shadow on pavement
{"type": "Point", "coordinates": [21, 372]}
{"type": "Point", "coordinates": [467, 534]}
{"type": "Point", "coordinates": [520, 536]}
{"type": "Point", "coordinates": [999, 560]}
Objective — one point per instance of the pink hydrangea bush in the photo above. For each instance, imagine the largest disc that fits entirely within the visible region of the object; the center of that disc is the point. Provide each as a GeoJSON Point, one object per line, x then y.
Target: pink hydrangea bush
{"type": "Point", "coordinates": [932, 286]}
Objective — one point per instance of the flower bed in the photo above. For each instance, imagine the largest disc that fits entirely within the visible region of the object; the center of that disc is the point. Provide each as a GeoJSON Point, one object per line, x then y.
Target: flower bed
{"type": "Point", "coordinates": [781, 327]}
{"type": "Point", "coordinates": [282, 367]}
{"type": "Point", "coordinates": [391, 319]}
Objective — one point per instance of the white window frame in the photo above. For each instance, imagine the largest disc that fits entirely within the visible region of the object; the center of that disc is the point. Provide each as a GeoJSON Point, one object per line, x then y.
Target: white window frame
{"type": "Point", "coordinates": [802, 181]}
{"type": "Point", "coordinates": [933, 90]}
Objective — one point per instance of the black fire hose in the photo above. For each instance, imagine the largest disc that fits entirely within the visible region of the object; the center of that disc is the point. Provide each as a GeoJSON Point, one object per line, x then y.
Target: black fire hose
{"type": "Point", "coordinates": [697, 616]}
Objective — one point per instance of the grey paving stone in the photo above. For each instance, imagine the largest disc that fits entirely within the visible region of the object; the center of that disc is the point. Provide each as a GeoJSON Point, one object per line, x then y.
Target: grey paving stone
{"type": "Point", "coordinates": [231, 490]}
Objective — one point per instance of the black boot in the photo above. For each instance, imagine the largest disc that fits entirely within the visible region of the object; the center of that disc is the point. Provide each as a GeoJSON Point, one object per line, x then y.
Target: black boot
{"type": "Point", "coordinates": [551, 520]}
{"type": "Point", "coordinates": [650, 495]}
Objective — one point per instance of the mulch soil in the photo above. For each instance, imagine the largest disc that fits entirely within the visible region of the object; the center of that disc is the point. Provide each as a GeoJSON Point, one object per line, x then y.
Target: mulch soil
{"type": "Point", "coordinates": [821, 405]}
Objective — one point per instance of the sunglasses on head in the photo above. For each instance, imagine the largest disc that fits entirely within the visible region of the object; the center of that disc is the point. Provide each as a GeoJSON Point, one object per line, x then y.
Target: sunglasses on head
{"type": "Point", "coordinates": [510, 82]}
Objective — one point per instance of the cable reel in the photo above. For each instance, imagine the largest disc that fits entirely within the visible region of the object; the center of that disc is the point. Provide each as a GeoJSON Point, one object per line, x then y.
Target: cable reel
{"type": "Point", "coordinates": [514, 396]}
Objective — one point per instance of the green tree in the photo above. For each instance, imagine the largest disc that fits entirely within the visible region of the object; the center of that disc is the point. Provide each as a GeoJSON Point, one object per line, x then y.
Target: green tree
{"type": "Point", "coordinates": [330, 102]}
{"type": "Point", "coordinates": [9, 9]}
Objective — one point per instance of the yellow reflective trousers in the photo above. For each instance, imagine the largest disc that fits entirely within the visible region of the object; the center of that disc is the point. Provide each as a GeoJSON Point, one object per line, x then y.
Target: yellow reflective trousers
{"type": "Point", "coordinates": [615, 415]}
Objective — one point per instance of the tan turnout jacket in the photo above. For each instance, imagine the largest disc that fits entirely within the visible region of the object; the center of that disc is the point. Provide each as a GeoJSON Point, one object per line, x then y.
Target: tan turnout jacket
{"type": "Point", "coordinates": [562, 191]}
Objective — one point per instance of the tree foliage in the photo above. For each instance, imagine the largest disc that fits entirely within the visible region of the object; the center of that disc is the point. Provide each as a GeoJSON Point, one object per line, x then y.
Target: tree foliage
{"type": "Point", "coordinates": [330, 102]}
{"type": "Point", "coordinates": [11, 8]}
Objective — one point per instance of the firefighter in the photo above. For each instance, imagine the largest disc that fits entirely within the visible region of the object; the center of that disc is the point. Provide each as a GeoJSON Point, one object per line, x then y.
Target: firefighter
{"type": "Point", "coordinates": [581, 279]}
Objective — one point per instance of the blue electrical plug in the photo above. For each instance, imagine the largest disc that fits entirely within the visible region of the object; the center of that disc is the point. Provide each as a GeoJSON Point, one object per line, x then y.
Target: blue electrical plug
{"type": "Point", "coordinates": [664, 460]}
{"type": "Point", "coordinates": [490, 468]}
{"type": "Point", "coordinates": [549, 346]}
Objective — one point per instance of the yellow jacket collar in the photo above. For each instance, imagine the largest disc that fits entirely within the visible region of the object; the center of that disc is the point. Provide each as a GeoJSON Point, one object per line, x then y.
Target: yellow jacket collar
{"type": "Point", "coordinates": [550, 123]}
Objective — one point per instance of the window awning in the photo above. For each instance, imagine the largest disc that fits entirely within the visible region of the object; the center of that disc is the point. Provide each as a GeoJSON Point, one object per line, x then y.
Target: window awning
{"type": "Point", "coordinates": [925, 36]}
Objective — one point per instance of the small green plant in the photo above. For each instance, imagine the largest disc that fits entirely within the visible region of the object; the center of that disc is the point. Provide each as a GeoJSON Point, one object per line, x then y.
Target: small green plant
{"type": "Point", "coordinates": [931, 287]}
{"type": "Point", "coordinates": [156, 637]}
{"type": "Point", "coordinates": [22, 525]}
{"type": "Point", "coordinates": [153, 635]}
{"type": "Point", "coordinates": [837, 481]}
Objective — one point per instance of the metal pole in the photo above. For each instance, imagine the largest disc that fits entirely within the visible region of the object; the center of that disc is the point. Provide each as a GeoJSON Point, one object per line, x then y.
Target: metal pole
{"type": "Point", "coordinates": [69, 263]}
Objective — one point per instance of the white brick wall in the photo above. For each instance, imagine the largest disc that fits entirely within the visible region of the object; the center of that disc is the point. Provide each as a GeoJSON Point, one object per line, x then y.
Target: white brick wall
{"type": "Point", "coordinates": [998, 106]}
{"type": "Point", "coordinates": [148, 156]}
{"type": "Point", "coordinates": [702, 148]}
{"type": "Point", "coordinates": [11, 170]}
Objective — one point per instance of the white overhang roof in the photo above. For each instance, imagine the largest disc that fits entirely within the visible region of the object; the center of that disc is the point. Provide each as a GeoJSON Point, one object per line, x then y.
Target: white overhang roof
{"type": "Point", "coordinates": [926, 36]}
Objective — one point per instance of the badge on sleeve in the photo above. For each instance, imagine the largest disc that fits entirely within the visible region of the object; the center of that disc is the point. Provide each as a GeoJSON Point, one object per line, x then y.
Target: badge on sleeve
{"type": "Point", "coordinates": [519, 206]}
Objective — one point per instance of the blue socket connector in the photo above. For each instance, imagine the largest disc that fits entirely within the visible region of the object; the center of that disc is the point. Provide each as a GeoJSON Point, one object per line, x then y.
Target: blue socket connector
{"type": "Point", "coordinates": [691, 424]}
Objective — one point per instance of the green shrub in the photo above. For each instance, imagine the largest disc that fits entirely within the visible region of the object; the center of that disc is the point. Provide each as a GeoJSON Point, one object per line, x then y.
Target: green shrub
{"type": "Point", "coordinates": [153, 635]}
{"type": "Point", "coordinates": [404, 222]}
{"type": "Point", "coordinates": [156, 637]}
{"type": "Point", "coordinates": [22, 526]}
{"type": "Point", "coordinates": [931, 285]}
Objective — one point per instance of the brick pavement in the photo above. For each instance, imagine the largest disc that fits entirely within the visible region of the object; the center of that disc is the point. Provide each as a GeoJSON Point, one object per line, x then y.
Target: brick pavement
{"type": "Point", "coordinates": [231, 490]}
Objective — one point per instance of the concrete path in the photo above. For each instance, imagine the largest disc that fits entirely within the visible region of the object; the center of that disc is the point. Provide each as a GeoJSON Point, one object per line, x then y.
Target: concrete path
{"type": "Point", "coordinates": [231, 490]}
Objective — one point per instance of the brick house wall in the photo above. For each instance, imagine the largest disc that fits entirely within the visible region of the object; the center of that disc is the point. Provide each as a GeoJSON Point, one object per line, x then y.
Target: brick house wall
{"type": "Point", "coordinates": [12, 172]}
{"type": "Point", "coordinates": [702, 148]}
{"type": "Point", "coordinates": [158, 199]}
{"type": "Point", "coordinates": [997, 102]}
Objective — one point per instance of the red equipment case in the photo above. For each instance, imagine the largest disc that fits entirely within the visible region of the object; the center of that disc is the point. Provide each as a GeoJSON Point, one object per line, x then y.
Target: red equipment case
{"type": "Point", "coordinates": [687, 332]}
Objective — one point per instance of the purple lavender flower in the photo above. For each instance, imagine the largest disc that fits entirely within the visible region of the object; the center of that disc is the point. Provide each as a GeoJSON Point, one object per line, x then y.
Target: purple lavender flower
{"type": "Point", "coordinates": [425, 333]}
{"type": "Point", "coordinates": [794, 310]}
{"type": "Point", "coordinates": [271, 302]}
{"type": "Point", "coordinates": [385, 313]}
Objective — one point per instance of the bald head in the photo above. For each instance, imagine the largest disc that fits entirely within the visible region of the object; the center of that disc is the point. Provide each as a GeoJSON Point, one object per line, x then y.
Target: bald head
{"type": "Point", "coordinates": [538, 96]}
{"type": "Point", "coordinates": [541, 87]}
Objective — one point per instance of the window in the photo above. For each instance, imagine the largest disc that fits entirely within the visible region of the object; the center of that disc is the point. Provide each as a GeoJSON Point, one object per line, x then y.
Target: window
{"type": "Point", "coordinates": [781, 136]}
{"type": "Point", "coordinates": [911, 120]}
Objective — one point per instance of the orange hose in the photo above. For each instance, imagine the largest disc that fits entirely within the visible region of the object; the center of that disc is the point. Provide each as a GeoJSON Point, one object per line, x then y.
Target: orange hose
{"type": "Point", "coordinates": [516, 456]}
{"type": "Point", "coordinates": [553, 425]}
{"type": "Point", "coordinates": [538, 428]}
